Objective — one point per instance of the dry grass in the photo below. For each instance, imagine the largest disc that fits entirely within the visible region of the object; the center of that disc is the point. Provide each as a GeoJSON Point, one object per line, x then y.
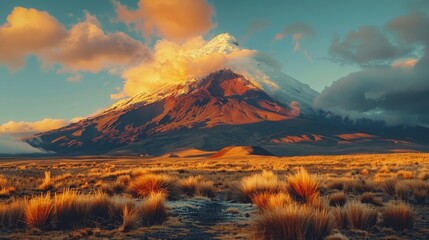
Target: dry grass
{"type": "Point", "coordinates": [147, 184]}
{"type": "Point", "coordinates": [336, 236]}
{"type": "Point", "coordinates": [265, 182]}
{"type": "Point", "coordinates": [101, 205]}
{"type": "Point", "coordinates": [70, 208]}
{"type": "Point", "coordinates": [130, 218]}
{"type": "Point", "coordinates": [419, 190]}
{"type": "Point", "coordinates": [197, 186]}
{"type": "Point", "coordinates": [389, 186]}
{"type": "Point", "coordinates": [153, 209]}
{"type": "Point", "coordinates": [293, 222]}
{"type": "Point", "coordinates": [404, 174]}
{"type": "Point", "coordinates": [47, 183]}
{"type": "Point", "coordinates": [39, 212]}
{"type": "Point", "coordinates": [337, 199]}
{"type": "Point", "coordinates": [12, 215]}
{"type": "Point", "coordinates": [303, 187]}
{"type": "Point", "coordinates": [368, 197]}
{"type": "Point", "coordinates": [5, 187]}
{"type": "Point", "coordinates": [268, 201]}
{"type": "Point", "coordinates": [355, 215]}
{"type": "Point", "coordinates": [398, 215]}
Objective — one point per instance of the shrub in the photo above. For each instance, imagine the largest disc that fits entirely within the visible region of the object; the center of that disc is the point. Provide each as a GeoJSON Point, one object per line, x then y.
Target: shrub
{"type": "Point", "coordinates": [153, 209]}
{"type": "Point", "coordinates": [303, 187]}
{"type": "Point", "coordinates": [197, 186]}
{"type": "Point", "coordinates": [398, 215]}
{"type": "Point", "coordinates": [39, 211]}
{"type": "Point", "coordinates": [152, 183]}
{"type": "Point", "coordinates": [337, 199]}
{"type": "Point", "coordinates": [47, 182]}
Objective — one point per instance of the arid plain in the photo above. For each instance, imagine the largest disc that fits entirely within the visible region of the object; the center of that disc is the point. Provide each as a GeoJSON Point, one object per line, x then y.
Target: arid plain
{"type": "Point", "coordinates": [188, 195]}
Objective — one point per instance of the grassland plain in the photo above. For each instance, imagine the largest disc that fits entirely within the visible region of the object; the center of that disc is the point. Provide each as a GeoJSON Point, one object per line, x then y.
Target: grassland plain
{"type": "Point", "coordinates": [366, 196]}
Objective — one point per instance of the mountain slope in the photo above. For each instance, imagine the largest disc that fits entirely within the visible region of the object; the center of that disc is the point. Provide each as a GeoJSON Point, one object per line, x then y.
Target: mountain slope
{"type": "Point", "coordinates": [222, 98]}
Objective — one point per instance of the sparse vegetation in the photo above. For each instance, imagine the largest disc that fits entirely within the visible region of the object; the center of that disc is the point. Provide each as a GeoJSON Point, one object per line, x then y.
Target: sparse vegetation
{"type": "Point", "coordinates": [337, 199]}
{"type": "Point", "coordinates": [398, 215]}
{"type": "Point", "coordinates": [355, 215]}
{"type": "Point", "coordinates": [303, 187]}
{"type": "Point", "coordinates": [147, 184]}
{"type": "Point", "coordinates": [153, 209]}
{"type": "Point", "coordinates": [197, 186]}
{"type": "Point", "coordinates": [47, 183]}
{"type": "Point", "coordinates": [39, 212]}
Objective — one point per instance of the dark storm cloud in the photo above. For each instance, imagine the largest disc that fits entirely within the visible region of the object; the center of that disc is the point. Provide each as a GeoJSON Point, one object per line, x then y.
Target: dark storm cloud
{"type": "Point", "coordinates": [367, 45]}
{"type": "Point", "coordinates": [397, 95]}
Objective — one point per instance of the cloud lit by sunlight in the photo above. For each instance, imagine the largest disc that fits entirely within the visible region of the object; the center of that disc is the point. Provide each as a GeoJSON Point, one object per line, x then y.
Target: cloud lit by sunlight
{"type": "Point", "coordinates": [171, 19]}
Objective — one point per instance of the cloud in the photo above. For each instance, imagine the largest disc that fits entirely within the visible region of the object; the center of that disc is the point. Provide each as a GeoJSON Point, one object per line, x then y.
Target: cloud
{"type": "Point", "coordinates": [397, 94]}
{"type": "Point", "coordinates": [367, 45]}
{"type": "Point", "coordinates": [174, 63]}
{"type": "Point", "coordinates": [13, 145]}
{"type": "Point", "coordinates": [254, 27]}
{"type": "Point", "coordinates": [297, 31]}
{"type": "Point", "coordinates": [13, 127]}
{"type": "Point", "coordinates": [75, 78]}
{"type": "Point", "coordinates": [84, 47]}
{"type": "Point", "coordinates": [171, 19]}
{"type": "Point", "coordinates": [27, 31]}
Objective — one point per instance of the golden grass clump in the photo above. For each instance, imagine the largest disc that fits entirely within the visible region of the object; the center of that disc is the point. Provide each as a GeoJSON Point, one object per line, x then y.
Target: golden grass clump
{"type": "Point", "coordinates": [5, 187]}
{"type": "Point", "coordinates": [255, 184]}
{"type": "Point", "coordinates": [337, 199]}
{"type": "Point", "coordinates": [12, 215]}
{"type": "Point", "coordinates": [419, 189]}
{"type": "Point", "coordinates": [389, 186]}
{"type": "Point", "coordinates": [368, 197]}
{"type": "Point", "coordinates": [70, 208]}
{"type": "Point", "coordinates": [303, 187]}
{"type": "Point", "coordinates": [152, 183]}
{"type": "Point", "coordinates": [130, 218]}
{"type": "Point", "coordinates": [404, 174]}
{"type": "Point", "coordinates": [153, 209]}
{"type": "Point", "coordinates": [100, 205]}
{"type": "Point", "coordinates": [293, 222]}
{"type": "Point", "coordinates": [362, 185]}
{"type": "Point", "coordinates": [268, 201]}
{"type": "Point", "coordinates": [197, 186]}
{"type": "Point", "coordinates": [47, 182]}
{"type": "Point", "coordinates": [289, 222]}
{"type": "Point", "coordinates": [398, 215]}
{"type": "Point", "coordinates": [39, 212]}
{"type": "Point", "coordinates": [355, 215]}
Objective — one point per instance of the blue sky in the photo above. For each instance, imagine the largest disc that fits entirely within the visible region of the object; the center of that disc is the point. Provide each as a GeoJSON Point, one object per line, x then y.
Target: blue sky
{"type": "Point", "coordinates": [33, 92]}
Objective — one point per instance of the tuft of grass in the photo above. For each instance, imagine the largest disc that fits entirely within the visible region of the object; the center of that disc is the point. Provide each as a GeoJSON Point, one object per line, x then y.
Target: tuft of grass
{"type": "Point", "coordinates": [268, 201]}
{"type": "Point", "coordinates": [320, 225]}
{"type": "Point", "coordinates": [147, 184]}
{"type": "Point", "coordinates": [368, 197]}
{"type": "Point", "coordinates": [404, 174]}
{"type": "Point", "coordinates": [389, 186]}
{"type": "Point", "coordinates": [39, 212]}
{"type": "Point", "coordinates": [197, 186]}
{"type": "Point", "coordinates": [265, 182]}
{"type": "Point", "coordinates": [5, 187]}
{"type": "Point", "coordinates": [130, 218]}
{"type": "Point", "coordinates": [355, 215]}
{"type": "Point", "coordinates": [362, 185]}
{"type": "Point", "coordinates": [153, 209]}
{"type": "Point", "coordinates": [303, 187]}
{"type": "Point", "coordinates": [70, 208]}
{"type": "Point", "coordinates": [293, 221]}
{"type": "Point", "coordinates": [47, 183]}
{"type": "Point", "coordinates": [398, 215]}
{"type": "Point", "coordinates": [12, 215]}
{"type": "Point", "coordinates": [100, 205]}
{"type": "Point", "coordinates": [419, 190]}
{"type": "Point", "coordinates": [289, 222]}
{"type": "Point", "coordinates": [337, 199]}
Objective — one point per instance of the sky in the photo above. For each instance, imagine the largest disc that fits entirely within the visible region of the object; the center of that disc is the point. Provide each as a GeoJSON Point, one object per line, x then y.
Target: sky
{"type": "Point", "coordinates": [63, 61]}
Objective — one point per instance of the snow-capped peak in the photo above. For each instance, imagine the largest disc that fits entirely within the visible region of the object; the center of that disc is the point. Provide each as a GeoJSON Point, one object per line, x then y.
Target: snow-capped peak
{"type": "Point", "coordinates": [248, 63]}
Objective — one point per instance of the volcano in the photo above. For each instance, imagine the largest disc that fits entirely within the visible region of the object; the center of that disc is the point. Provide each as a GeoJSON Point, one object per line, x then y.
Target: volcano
{"type": "Point", "coordinates": [248, 105]}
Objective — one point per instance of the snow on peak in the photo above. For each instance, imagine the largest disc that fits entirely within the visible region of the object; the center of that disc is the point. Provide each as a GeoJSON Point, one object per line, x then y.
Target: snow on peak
{"type": "Point", "coordinates": [224, 52]}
